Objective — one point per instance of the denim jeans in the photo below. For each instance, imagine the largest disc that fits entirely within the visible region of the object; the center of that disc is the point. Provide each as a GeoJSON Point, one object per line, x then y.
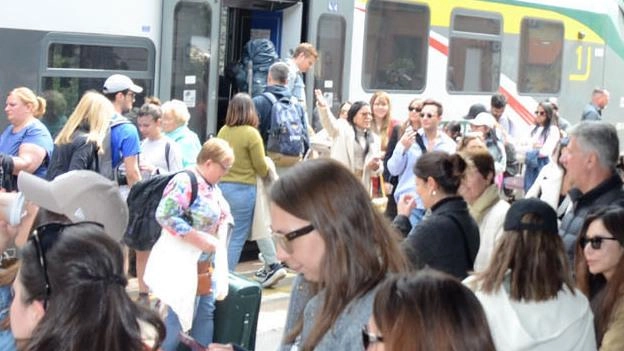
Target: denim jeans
{"type": "Point", "coordinates": [267, 248]}
{"type": "Point", "coordinates": [203, 323]}
{"type": "Point", "coordinates": [7, 342]}
{"type": "Point", "coordinates": [416, 216]}
{"type": "Point", "coordinates": [242, 200]}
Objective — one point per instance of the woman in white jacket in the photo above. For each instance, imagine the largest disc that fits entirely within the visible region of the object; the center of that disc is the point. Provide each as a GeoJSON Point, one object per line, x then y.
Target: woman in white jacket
{"type": "Point", "coordinates": [527, 290]}
{"type": "Point", "coordinates": [485, 204]}
{"type": "Point", "coordinates": [353, 143]}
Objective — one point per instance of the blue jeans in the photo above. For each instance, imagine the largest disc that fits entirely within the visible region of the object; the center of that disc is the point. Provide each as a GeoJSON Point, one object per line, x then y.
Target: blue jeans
{"type": "Point", "coordinates": [7, 342]}
{"type": "Point", "coordinates": [203, 323]}
{"type": "Point", "coordinates": [242, 200]}
{"type": "Point", "coordinates": [416, 216]}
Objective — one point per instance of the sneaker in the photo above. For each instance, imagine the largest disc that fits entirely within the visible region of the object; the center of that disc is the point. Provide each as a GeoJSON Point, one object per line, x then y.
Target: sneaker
{"type": "Point", "coordinates": [276, 273]}
{"type": "Point", "coordinates": [261, 274]}
{"type": "Point", "coordinates": [143, 299]}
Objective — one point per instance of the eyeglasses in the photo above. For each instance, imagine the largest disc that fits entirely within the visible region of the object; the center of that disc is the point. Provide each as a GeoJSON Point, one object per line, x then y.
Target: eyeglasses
{"type": "Point", "coordinates": [540, 113]}
{"type": "Point", "coordinates": [283, 240]}
{"type": "Point", "coordinates": [43, 238]}
{"type": "Point", "coordinates": [412, 109]}
{"type": "Point", "coordinates": [596, 242]}
{"type": "Point", "coordinates": [132, 95]}
{"type": "Point", "coordinates": [370, 338]}
{"type": "Point", "coordinates": [226, 168]}
{"type": "Point", "coordinates": [427, 115]}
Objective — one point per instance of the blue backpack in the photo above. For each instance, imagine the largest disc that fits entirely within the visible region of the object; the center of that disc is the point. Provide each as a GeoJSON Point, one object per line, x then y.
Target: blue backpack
{"type": "Point", "coordinates": [286, 131]}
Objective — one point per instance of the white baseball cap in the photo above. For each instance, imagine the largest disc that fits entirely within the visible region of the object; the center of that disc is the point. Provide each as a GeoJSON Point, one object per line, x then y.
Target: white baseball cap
{"type": "Point", "coordinates": [80, 196]}
{"type": "Point", "coordinates": [484, 119]}
{"type": "Point", "coordinates": [119, 82]}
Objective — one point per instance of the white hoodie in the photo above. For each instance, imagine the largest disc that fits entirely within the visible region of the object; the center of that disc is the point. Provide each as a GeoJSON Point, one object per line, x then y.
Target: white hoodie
{"type": "Point", "coordinates": [565, 323]}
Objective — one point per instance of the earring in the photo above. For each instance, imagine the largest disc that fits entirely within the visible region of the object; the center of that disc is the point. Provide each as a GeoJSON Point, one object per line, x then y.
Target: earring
{"type": "Point", "coordinates": [433, 193]}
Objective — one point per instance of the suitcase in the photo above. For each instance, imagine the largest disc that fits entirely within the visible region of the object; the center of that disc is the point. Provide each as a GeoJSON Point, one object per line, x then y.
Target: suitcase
{"type": "Point", "coordinates": [236, 317]}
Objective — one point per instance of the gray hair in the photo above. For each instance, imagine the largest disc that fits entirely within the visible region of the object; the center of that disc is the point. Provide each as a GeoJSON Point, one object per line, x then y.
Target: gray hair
{"type": "Point", "coordinates": [279, 72]}
{"type": "Point", "coordinates": [599, 137]}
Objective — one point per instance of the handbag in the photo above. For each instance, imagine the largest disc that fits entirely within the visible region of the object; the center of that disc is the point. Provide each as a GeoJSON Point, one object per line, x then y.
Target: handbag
{"type": "Point", "coordinates": [378, 193]}
{"type": "Point", "coordinates": [204, 277]}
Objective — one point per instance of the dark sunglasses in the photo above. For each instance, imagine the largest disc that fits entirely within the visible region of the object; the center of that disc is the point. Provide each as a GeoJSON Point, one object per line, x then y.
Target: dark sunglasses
{"type": "Point", "coordinates": [412, 109]}
{"type": "Point", "coordinates": [369, 338]}
{"type": "Point", "coordinates": [596, 242]}
{"type": "Point", "coordinates": [283, 240]}
{"type": "Point", "coordinates": [427, 115]}
{"type": "Point", "coordinates": [44, 237]}
{"type": "Point", "coordinates": [540, 113]}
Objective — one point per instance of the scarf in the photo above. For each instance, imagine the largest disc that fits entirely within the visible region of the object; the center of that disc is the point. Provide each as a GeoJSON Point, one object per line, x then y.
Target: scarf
{"type": "Point", "coordinates": [488, 198]}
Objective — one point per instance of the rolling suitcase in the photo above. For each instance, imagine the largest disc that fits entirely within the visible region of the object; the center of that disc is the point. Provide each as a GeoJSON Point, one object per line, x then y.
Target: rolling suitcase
{"type": "Point", "coordinates": [236, 317]}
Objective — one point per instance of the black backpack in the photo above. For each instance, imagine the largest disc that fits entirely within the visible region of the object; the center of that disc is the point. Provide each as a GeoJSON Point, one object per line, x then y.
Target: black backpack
{"type": "Point", "coordinates": [143, 230]}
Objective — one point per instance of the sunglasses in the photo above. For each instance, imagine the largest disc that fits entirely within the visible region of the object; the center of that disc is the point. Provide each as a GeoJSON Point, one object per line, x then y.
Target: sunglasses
{"type": "Point", "coordinates": [596, 242]}
{"type": "Point", "coordinates": [427, 115]}
{"type": "Point", "coordinates": [412, 109]}
{"type": "Point", "coordinates": [540, 113]}
{"type": "Point", "coordinates": [283, 240]}
{"type": "Point", "coordinates": [43, 238]}
{"type": "Point", "coordinates": [369, 338]}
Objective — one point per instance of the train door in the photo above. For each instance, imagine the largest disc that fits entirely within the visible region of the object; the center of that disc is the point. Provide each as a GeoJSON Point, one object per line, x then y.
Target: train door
{"type": "Point", "coordinates": [329, 24]}
{"type": "Point", "coordinates": [190, 42]}
{"type": "Point", "coordinates": [279, 21]}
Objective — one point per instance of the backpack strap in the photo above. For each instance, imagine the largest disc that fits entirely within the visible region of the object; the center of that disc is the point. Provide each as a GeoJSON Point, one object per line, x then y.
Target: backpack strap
{"type": "Point", "coordinates": [193, 186]}
{"type": "Point", "coordinates": [167, 149]}
{"type": "Point", "coordinates": [421, 143]}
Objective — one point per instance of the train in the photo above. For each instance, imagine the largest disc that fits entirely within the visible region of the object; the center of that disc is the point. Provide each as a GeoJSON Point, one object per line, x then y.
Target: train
{"type": "Point", "coordinates": [459, 52]}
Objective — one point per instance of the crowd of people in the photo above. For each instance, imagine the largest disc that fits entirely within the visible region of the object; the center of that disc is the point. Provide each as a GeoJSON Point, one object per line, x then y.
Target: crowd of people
{"type": "Point", "coordinates": [452, 259]}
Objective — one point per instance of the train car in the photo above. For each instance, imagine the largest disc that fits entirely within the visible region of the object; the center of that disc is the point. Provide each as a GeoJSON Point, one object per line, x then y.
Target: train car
{"type": "Point", "coordinates": [458, 52]}
{"type": "Point", "coordinates": [461, 52]}
{"type": "Point", "coordinates": [173, 48]}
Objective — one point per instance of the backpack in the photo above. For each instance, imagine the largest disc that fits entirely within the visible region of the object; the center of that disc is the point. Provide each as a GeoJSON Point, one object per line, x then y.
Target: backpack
{"type": "Point", "coordinates": [286, 130]}
{"type": "Point", "coordinates": [143, 230]}
{"type": "Point", "coordinates": [104, 160]}
{"type": "Point", "coordinates": [258, 56]}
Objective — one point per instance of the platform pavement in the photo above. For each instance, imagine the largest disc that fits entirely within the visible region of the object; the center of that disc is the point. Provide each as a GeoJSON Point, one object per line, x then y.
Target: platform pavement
{"type": "Point", "coordinates": [273, 307]}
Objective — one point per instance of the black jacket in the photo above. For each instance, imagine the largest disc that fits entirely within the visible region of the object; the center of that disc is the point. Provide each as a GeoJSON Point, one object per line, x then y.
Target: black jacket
{"type": "Point", "coordinates": [79, 154]}
{"type": "Point", "coordinates": [608, 192]}
{"type": "Point", "coordinates": [446, 240]}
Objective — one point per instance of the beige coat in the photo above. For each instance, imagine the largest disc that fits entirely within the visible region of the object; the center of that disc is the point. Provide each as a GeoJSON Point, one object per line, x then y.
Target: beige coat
{"type": "Point", "coordinates": [342, 148]}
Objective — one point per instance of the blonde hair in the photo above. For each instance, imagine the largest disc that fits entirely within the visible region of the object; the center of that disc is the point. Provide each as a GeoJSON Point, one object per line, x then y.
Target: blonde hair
{"type": "Point", "coordinates": [28, 97]}
{"type": "Point", "coordinates": [94, 111]}
{"type": "Point", "coordinates": [306, 49]}
{"type": "Point", "coordinates": [384, 129]}
{"type": "Point", "coordinates": [179, 110]}
{"type": "Point", "coordinates": [215, 149]}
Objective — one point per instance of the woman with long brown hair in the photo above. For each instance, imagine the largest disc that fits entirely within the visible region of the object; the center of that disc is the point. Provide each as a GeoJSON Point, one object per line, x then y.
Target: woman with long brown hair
{"type": "Point", "coordinates": [600, 273]}
{"type": "Point", "coordinates": [426, 311]}
{"type": "Point", "coordinates": [527, 291]}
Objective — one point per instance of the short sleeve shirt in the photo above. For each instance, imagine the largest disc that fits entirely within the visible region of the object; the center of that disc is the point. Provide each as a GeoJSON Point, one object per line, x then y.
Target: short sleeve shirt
{"type": "Point", "coordinates": [34, 133]}
{"type": "Point", "coordinates": [125, 142]}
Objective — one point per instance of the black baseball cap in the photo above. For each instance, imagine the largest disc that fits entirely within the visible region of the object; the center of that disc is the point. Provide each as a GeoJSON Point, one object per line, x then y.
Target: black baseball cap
{"type": "Point", "coordinates": [539, 208]}
{"type": "Point", "coordinates": [475, 110]}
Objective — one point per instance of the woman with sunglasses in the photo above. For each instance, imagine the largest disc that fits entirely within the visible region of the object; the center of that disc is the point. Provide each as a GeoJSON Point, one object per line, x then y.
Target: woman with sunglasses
{"type": "Point", "coordinates": [428, 310]}
{"type": "Point", "coordinates": [71, 281]}
{"type": "Point", "coordinates": [353, 142]}
{"type": "Point", "coordinates": [527, 290]}
{"type": "Point", "coordinates": [193, 241]}
{"type": "Point", "coordinates": [600, 273]}
{"type": "Point", "coordinates": [404, 133]}
{"type": "Point", "coordinates": [447, 239]}
{"type": "Point", "coordinates": [544, 138]}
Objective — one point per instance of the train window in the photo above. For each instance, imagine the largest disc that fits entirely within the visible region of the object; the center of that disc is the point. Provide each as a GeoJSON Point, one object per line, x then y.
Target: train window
{"type": "Point", "coordinates": [541, 56]}
{"type": "Point", "coordinates": [396, 46]}
{"type": "Point", "coordinates": [328, 70]}
{"type": "Point", "coordinates": [97, 57]}
{"type": "Point", "coordinates": [474, 53]}
{"type": "Point", "coordinates": [75, 63]}
{"type": "Point", "coordinates": [191, 60]}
